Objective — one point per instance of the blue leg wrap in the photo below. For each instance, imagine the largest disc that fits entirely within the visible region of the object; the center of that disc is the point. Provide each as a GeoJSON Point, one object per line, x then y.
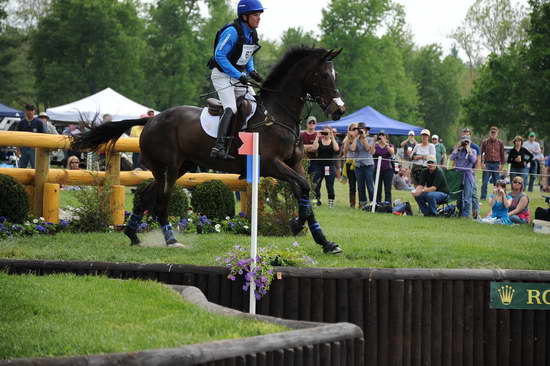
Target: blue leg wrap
{"type": "Point", "coordinates": [133, 222]}
{"type": "Point", "coordinates": [168, 234]}
{"type": "Point", "coordinates": [314, 226]}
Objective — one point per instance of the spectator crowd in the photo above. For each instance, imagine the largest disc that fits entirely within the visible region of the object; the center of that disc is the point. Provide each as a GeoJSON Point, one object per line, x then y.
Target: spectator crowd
{"type": "Point", "coordinates": [436, 177]}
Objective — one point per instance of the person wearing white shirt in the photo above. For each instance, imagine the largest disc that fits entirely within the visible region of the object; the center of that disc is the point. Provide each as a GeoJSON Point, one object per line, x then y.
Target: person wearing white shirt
{"type": "Point", "coordinates": [421, 153]}
{"type": "Point", "coordinates": [534, 148]}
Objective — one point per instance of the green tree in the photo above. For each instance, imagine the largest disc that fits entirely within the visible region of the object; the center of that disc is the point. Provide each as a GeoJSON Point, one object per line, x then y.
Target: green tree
{"type": "Point", "coordinates": [490, 26]}
{"type": "Point", "coordinates": [371, 69]}
{"type": "Point", "coordinates": [438, 88]}
{"type": "Point", "coordinates": [537, 60]}
{"type": "Point", "coordinates": [293, 37]}
{"type": "Point", "coordinates": [499, 93]}
{"type": "Point", "coordinates": [15, 69]}
{"type": "Point", "coordinates": [82, 47]}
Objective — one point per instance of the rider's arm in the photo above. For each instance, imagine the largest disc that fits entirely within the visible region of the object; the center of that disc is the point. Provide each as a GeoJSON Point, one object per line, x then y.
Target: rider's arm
{"type": "Point", "coordinates": [250, 65]}
{"type": "Point", "coordinates": [226, 43]}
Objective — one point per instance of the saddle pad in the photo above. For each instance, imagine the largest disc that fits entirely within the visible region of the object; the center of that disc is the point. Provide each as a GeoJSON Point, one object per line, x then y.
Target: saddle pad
{"type": "Point", "coordinates": [210, 123]}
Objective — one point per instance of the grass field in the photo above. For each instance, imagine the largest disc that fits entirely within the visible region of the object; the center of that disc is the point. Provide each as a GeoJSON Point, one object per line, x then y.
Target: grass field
{"type": "Point", "coordinates": [64, 315]}
{"type": "Point", "coordinates": [368, 240]}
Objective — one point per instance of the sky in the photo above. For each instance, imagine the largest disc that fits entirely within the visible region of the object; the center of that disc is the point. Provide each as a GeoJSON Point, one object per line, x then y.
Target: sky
{"type": "Point", "coordinates": [431, 21]}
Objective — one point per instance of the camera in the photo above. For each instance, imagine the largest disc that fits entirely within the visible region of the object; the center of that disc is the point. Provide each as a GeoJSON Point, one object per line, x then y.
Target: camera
{"type": "Point", "coordinates": [324, 133]}
{"type": "Point", "coordinates": [361, 131]}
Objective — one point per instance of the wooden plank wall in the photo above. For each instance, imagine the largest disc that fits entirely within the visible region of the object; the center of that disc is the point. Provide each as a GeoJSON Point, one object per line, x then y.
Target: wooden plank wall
{"type": "Point", "coordinates": [408, 317]}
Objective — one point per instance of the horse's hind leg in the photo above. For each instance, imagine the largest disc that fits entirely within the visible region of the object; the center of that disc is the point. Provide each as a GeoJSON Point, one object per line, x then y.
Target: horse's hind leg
{"type": "Point", "coordinates": [145, 201]}
{"type": "Point", "coordinates": [166, 179]}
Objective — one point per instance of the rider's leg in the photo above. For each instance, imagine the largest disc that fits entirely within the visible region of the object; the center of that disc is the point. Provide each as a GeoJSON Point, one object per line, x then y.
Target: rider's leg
{"type": "Point", "coordinates": [225, 86]}
{"type": "Point", "coordinates": [219, 149]}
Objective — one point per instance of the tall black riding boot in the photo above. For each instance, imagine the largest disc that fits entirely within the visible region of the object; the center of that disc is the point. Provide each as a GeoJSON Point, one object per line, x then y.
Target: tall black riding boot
{"type": "Point", "coordinates": [219, 149]}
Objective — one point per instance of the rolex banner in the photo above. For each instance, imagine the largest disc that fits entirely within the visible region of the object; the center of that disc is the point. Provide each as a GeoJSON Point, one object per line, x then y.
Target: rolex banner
{"type": "Point", "coordinates": [520, 295]}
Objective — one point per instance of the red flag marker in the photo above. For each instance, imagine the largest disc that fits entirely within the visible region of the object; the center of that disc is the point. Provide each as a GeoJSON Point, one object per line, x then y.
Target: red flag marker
{"type": "Point", "coordinates": [246, 148]}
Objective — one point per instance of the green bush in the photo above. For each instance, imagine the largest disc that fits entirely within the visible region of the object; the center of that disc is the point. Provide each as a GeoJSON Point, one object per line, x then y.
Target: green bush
{"type": "Point", "coordinates": [179, 202]}
{"type": "Point", "coordinates": [14, 202]}
{"type": "Point", "coordinates": [213, 199]}
{"type": "Point", "coordinates": [94, 211]}
{"type": "Point", "coordinates": [276, 207]}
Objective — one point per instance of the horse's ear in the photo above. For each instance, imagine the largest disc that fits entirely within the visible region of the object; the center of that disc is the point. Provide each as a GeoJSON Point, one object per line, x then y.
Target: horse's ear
{"type": "Point", "coordinates": [336, 53]}
{"type": "Point", "coordinates": [332, 54]}
{"type": "Point", "coordinates": [327, 56]}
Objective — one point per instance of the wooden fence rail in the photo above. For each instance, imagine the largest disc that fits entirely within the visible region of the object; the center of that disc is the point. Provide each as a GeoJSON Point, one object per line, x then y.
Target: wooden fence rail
{"type": "Point", "coordinates": [43, 179]}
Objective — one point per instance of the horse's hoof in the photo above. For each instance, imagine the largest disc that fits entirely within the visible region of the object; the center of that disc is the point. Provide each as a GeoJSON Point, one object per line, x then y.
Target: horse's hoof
{"type": "Point", "coordinates": [177, 245]}
{"type": "Point", "coordinates": [332, 248]}
{"type": "Point", "coordinates": [132, 236]}
{"type": "Point", "coordinates": [295, 226]}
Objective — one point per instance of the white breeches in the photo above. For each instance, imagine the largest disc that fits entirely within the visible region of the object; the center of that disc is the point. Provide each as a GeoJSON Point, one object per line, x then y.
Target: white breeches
{"type": "Point", "coordinates": [229, 89]}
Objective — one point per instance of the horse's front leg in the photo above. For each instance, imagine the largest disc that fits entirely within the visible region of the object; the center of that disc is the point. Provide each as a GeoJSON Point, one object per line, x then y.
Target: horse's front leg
{"type": "Point", "coordinates": [296, 177]}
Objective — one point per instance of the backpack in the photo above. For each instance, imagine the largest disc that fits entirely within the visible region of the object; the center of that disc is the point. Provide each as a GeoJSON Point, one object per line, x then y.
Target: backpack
{"type": "Point", "coordinates": [542, 214]}
{"type": "Point", "coordinates": [402, 209]}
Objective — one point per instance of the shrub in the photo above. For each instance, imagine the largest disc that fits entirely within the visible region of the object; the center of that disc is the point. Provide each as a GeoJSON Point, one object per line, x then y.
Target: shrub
{"type": "Point", "coordinates": [94, 212]}
{"type": "Point", "coordinates": [179, 202]}
{"type": "Point", "coordinates": [14, 202]}
{"type": "Point", "coordinates": [277, 206]}
{"type": "Point", "coordinates": [214, 200]}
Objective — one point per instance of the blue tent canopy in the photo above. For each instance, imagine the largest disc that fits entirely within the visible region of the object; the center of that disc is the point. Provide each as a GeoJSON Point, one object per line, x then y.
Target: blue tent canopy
{"type": "Point", "coordinates": [6, 111]}
{"type": "Point", "coordinates": [375, 120]}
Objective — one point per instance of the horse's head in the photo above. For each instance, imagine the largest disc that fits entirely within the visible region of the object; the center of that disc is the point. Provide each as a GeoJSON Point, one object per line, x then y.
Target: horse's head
{"type": "Point", "coordinates": [320, 83]}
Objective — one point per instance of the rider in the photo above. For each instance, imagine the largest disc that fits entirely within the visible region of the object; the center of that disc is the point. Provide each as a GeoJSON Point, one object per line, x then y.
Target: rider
{"type": "Point", "coordinates": [233, 66]}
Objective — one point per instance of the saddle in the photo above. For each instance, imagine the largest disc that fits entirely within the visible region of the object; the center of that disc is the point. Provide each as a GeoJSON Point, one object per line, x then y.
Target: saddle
{"type": "Point", "coordinates": [244, 108]}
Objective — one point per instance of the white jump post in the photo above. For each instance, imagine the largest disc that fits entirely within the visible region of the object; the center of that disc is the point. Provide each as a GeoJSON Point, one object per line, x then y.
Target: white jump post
{"type": "Point", "coordinates": [254, 216]}
{"type": "Point", "coordinates": [378, 164]}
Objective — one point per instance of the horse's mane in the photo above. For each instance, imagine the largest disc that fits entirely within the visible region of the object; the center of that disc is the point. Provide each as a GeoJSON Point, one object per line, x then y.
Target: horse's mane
{"type": "Point", "coordinates": [291, 57]}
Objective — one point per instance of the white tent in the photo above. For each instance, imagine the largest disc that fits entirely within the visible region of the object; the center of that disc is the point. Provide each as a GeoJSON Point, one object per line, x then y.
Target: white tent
{"type": "Point", "coordinates": [95, 106]}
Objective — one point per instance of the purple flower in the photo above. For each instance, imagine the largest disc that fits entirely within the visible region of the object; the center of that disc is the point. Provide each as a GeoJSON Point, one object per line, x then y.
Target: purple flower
{"type": "Point", "coordinates": [126, 213]}
{"type": "Point", "coordinates": [2, 219]}
{"type": "Point", "coordinates": [17, 228]}
{"type": "Point", "coordinates": [40, 228]}
{"type": "Point", "coordinates": [204, 220]}
{"type": "Point", "coordinates": [63, 223]}
{"type": "Point", "coordinates": [245, 287]}
{"type": "Point", "coordinates": [257, 295]}
{"type": "Point", "coordinates": [231, 277]}
{"type": "Point", "coordinates": [242, 214]}
{"type": "Point", "coordinates": [142, 226]}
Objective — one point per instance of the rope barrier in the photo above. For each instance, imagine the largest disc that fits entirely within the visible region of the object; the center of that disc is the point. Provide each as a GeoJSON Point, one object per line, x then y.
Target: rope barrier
{"type": "Point", "coordinates": [413, 163]}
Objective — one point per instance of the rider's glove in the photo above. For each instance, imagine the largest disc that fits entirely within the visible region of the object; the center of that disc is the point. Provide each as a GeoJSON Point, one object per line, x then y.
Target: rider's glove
{"type": "Point", "coordinates": [244, 79]}
{"type": "Point", "coordinates": [254, 75]}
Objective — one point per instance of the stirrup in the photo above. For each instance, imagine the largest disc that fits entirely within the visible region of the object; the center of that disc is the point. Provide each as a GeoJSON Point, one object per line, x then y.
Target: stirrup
{"type": "Point", "coordinates": [216, 153]}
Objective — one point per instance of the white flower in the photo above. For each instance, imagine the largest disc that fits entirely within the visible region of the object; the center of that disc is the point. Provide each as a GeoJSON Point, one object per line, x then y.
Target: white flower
{"type": "Point", "coordinates": [35, 221]}
{"type": "Point", "coordinates": [190, 220]}
{"type": "Point", "coordinates": [42, 219]}
{"type": "Point", "coordinates": [218, 228]}
{"type": "Point", "coordinates": [245, 227]}
{"type": "Point", "coordinates": [227, 217]}
{"type": "Point", "coordinates": [111, 227]}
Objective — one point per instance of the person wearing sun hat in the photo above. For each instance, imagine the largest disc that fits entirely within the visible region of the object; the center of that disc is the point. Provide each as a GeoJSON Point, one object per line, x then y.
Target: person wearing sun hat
{"type": "Point", "coordinates": [421, 153]}
{"type": "Point", "coordinates": [535, 149]}
{"type": "Point", "coordinates": [408, 146]}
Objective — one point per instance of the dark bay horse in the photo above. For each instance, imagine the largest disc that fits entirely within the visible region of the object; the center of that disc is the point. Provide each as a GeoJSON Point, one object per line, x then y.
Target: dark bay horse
{"type": "Point", "coordinates": [173, 142]}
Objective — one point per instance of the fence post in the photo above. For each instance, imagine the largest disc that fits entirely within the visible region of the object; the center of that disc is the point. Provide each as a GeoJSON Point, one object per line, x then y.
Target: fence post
{"type": "Point", "coordinates": [51, 202]}
{"type": "Point", "coordinates": [117, 204]}
{"type": "Point", "coordinates": [112, 175]}
{"type": "Point", "coordinates": [42, 160]}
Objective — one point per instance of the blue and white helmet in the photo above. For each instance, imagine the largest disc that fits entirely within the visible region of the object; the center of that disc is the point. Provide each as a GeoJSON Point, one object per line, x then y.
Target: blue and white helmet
{"type": "Point", "coordinates": [249, 6]}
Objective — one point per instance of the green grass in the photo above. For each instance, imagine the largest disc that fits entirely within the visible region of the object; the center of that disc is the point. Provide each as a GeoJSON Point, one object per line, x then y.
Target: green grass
{"type": "Point", "coordinates": [368, 240]}
{"type": "Point", "coordinates": [64, 315]}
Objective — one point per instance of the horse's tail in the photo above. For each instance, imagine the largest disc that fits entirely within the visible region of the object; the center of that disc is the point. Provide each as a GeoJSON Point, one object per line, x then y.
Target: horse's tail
{"type": "Point", "coordinates": [108, 132]}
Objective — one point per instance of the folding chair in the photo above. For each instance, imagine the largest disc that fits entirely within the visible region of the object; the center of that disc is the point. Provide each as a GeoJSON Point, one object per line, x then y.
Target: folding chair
{"type": "Point", "coordinates": [454, 182]}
